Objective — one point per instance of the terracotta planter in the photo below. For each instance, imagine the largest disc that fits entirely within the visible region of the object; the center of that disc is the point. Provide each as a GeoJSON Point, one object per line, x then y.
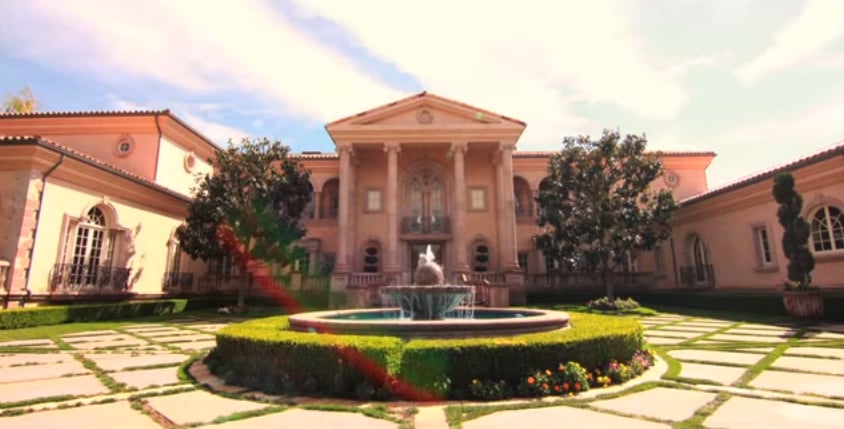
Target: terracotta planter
{"type": "Point", "coordinates": [803, 304]}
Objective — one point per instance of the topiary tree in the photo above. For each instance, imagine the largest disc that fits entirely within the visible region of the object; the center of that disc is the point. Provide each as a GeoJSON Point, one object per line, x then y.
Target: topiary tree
{"type": "Point", "coordinates": [795, 238]}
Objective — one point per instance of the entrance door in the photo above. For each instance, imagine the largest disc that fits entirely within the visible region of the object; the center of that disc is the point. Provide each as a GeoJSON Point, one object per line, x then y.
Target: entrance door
{"type": "Point", "coordinates": [416, 249]}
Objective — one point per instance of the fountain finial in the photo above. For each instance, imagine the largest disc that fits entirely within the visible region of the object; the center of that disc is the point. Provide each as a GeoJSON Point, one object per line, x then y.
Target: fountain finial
{"type": "Point", "coordinates": [428, 272]}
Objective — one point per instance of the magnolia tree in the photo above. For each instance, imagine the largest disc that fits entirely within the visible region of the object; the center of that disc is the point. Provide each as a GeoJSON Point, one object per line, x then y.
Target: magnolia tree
{"type": "Point", "coordinates": [597, 205]}
{"type": "Point", "coordinates": [250, 209]}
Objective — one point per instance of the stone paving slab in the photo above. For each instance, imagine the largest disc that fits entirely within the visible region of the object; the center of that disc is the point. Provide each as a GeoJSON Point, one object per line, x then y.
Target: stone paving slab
{"type": "Point", "coordinates": [196, 345]}
{"type": "Point", "coordinates": [782, 333]}
{"type": "Point", "coordinates": [808, 364]}
{"type": "Point", "coordinates": [82, 385]}
{"type": "Point", "coordinates": [747, 338]}
{"type": "Point", "coordinates": [689, 328]}
{"type": "Point", "coordinates": [33, 358]}
{"type": "Point", "coordinates": [199, 406]}
{"type": "Point", "coordinates": [709, 323]}
{"type": "Point", "coordinates": [673, 334]}
{"type": "Point", "coordinates": [663, 340]}
{"type": "Point", "coordinates": [210, 326]}
{"type": "Point", "coordinates": [717, 356]}
{"type": "Point", "coordinates": [184, 338]}
{"type": "Point", "coordinates": [38, 372]}
{"type": "Point", "coordinates": [128, 341]}
{"type": "Point", "coordinates": [102, 416]}
{"type": "Point", "coordinates": [816, 351]}
{"type": "Point", "coordinates": [299, 418]}
{"type": "Point", "coordinates": [717, 373]}
{"type": "Point", "coordinates": [757, 326]}
{"type": "Point", "coordinates": [93, 338]}
{"type": "Point", "coordinates": [751, 413]}
{"type": "Point", "coordinates": [169, 332]}
{"type": "Point", "coordinates": [28, 343]}
{"type": "Point", "coordinates": [826, 385]}
{"type": "Point", "coordinates": [674, 404]}
{"type": "Point", "coordinates": [89, 334]}
{"type": "Point", "coordinates": [119, 361]}
{"type": "Point", "coordinates": [144, 378]}
{"type": "Point", "coordinates": [558, 416]}
{"type": "Point", "coordinates": [824, 336]}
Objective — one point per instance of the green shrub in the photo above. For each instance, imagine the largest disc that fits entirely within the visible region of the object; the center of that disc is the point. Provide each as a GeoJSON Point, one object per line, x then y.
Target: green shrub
{"type": "Point", "coordinates": [263, 354]}
{"type": "Point", "coordinates": [604, 304]}
{"type": "Point", "coordinates": [54, 315]}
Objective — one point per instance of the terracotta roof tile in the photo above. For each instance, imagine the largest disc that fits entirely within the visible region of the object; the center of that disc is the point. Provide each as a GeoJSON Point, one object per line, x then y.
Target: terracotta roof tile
{"type": "Point", "coordinates": [820, 155]}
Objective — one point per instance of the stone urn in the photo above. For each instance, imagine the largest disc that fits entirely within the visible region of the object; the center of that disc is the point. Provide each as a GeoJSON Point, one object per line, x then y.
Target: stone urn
{"type": "Point", "coordinates": [803, 304]}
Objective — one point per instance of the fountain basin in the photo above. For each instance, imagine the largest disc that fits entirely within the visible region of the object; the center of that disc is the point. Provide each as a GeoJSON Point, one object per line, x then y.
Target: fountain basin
{"type": "Point", "coordinates": [487, 322]}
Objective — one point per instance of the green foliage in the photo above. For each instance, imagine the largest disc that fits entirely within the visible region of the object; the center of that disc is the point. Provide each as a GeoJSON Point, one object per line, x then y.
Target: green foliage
{"type": "Point", "coordinates": [250, 209]}
{"type": "Point", "coordinates": [263, 354]}
{"type": "Point", "coordinates": [54, 315]}
{"type": "Point", "coordinates": [619, 304]}
{"type": "Point", "coordinates": [597, 207]}
{"type": "Point", "coordinates": [22, 102]}
{"type": "Point", "coordinates": [795, 238]}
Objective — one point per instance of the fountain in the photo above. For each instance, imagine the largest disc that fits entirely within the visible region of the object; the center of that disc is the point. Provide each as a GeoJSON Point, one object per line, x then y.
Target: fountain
{"type": "Point", "coordinates": [430, 308]}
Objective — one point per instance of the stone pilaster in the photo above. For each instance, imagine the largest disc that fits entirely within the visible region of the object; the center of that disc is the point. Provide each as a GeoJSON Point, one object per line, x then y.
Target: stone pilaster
{"type": "Point", "coordinates": [391, 261]}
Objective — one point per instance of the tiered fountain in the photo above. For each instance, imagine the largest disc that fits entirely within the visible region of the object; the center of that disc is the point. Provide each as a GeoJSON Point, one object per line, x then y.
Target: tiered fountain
{"type": "Point", "coordinates": [430, 308]}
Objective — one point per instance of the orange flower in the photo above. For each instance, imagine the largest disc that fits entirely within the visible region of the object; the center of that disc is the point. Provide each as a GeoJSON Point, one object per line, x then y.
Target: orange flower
{"type": "Point", "coordinates": [561, 367]}
{"type": "Point", "coordinates": [545, 386]}
{"type": "Point", "coordinates": [557, 388]}
{"type": "Point", "coordinates": [577, 387]}
{"type": "Point", "coordinates": [531, 380]}
{"type": "Point", "coordinates": [566, 387]}
{"type": "Point", "coordinates": [548, 372]}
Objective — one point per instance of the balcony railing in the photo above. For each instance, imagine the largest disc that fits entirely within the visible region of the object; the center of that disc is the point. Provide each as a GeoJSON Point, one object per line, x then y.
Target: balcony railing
{"type": "Point", "coordinates": [697, 275]}
{"type": "Point", "coordinates": [567, 281]}
{"type": "Point", "coordinates": [89, 278]}
{"type": "Point", "coordinates": [177, 282]}
{"type": "Point", "coordinates": [426, 225]}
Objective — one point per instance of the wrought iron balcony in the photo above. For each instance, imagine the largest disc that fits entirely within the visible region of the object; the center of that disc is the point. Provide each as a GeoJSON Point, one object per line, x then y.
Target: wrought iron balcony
{"type": "Point", "coordinates": [426, 225]}
{"type": "Point", "coordinates": [177, 281]}
{"type": "Point", "coordinates": [89, 277]}
{"type": "Point", "coordinates": [697, 275]}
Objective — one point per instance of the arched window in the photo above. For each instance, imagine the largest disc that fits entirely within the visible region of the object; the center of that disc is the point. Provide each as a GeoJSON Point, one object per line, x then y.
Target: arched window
{"type": "Point", "coordinates": [329, 204]}
{"type": "Point", "coordinates": [93, 249]}
{"type": "Point", "coordinates": [416, 205]}
{"type": "Point", "coordinates": [827, 229]}
{"type": "Point", "coordinates": [425, 204]}
{"type": "Point", "coordinates": [522, 199]}
{"type": "Point", "coordinates": [700, 260]}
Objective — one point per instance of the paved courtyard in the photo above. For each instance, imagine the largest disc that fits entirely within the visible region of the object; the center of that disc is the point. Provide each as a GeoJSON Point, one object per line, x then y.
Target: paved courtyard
{"type": "Point", "coordinates": [717, 374]}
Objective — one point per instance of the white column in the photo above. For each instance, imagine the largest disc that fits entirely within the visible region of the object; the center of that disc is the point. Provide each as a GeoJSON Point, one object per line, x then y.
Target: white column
{"type": "Point", "coordinates": [342, 260]}
{"type": "Point", "coordinates": [458, 150]}
{"type": "Point", "coordinates": [391, 261]}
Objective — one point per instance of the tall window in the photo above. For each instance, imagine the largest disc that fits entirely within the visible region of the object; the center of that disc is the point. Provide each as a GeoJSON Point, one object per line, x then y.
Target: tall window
{"type": "Point", "coordinates": [426, 204]}
{"type": "Point", "coordinates": [701, 261]}
{"type": "Point", "coordinates": [828, 229]}
{"type": "Point", "coordinates": [763, 246]}
{"type": "Point", "coordinates": [93, 247]}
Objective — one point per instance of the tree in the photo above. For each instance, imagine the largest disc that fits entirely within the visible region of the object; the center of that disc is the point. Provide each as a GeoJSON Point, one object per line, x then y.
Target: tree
{"type": "Point", "coordinates": [597, 209]}
{"type": "Point", "coordinates": [22, 102]}
{"type": "Point", "coordinates": [796, 232]}
{"type": "Point", "coordinates": [250, 209]}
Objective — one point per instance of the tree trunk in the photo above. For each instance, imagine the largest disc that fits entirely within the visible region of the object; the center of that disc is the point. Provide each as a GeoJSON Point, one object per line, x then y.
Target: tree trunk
{"type": "Point", "coordinates": [244, 283]}
{"type": "Point", "coordinates": [608, 286]}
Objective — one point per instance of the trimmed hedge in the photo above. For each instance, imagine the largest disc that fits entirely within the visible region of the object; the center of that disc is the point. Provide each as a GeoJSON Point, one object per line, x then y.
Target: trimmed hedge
{"type": "Point", "coordinates": [54, 315]}
{"type": "Point", "coordinates": [264, 355]}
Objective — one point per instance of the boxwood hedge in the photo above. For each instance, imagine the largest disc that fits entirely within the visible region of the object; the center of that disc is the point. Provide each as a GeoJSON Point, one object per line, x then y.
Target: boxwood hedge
{"type": "Point", "coordinates": [54, 315]}
{"type": "Point", "coordinates": [264, 354]}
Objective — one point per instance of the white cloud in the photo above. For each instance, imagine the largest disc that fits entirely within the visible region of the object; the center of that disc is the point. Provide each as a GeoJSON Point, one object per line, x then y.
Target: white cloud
{"type": "Point", "coordinates": [759, 145]}
{"type": "Point", "coordinates": [242, 46]}
{"type": "Point", "coordinates": [530, 60]}
{"type": "Point", "coordinates": [820, 23]}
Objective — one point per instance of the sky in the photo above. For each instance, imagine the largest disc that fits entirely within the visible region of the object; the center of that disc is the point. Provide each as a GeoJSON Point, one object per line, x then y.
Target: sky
{"type": "Point", "coordinates": [758, 82]}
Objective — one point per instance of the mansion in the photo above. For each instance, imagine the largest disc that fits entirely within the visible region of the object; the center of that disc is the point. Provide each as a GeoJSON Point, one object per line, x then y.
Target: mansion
{"type": "Point", "coordinates": [90, 202]}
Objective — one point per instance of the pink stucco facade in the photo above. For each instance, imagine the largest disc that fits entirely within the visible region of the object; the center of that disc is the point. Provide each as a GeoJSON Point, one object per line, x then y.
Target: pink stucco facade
{"type": "Point", "coordinates": [86, 189]}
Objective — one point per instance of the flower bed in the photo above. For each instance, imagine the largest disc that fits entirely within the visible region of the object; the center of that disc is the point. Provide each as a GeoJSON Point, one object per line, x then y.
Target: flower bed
{"type": "Point", "coordinates": [263, 354]}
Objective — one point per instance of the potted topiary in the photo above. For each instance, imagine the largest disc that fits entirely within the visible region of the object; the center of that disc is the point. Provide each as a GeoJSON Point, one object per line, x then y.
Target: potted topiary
{"type": "Point", "coordinates": [801, 300]}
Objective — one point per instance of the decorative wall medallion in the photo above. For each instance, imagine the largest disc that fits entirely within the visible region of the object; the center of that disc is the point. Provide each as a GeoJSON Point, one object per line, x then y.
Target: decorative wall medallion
{"type": "Point", "coordinates": [424, 116]}
{"type": "Point", "coordinates": [671, 178]}
{"type": "Point", "coordinates": [190, 162]}
{"type": "Point", "coordinates": [125, 146]}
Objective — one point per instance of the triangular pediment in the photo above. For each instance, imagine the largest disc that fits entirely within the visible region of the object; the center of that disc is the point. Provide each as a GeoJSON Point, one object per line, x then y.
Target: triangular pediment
{"type": "Point", "coordinates": [424, 109]}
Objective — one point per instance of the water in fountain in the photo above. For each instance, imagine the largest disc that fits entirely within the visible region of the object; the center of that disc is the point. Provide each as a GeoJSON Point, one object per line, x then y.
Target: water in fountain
{"type": "Point", "coordinates": [430, 298]}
